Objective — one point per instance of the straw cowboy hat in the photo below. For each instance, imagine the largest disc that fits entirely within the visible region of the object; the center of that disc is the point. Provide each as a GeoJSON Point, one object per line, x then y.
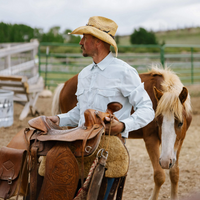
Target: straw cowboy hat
{"type": "Point", "coordinates": [100, 27]}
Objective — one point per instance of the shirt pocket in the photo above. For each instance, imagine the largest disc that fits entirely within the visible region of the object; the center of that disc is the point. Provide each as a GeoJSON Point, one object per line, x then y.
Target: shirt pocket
{"type": "Point", "coordinates": [81, 93]}
{"type": "Point", "coordinates": [103, 97]}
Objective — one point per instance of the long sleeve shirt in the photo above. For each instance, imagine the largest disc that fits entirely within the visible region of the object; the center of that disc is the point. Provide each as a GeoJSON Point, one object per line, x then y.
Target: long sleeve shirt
{"type": "Point", "coordinates": [111, 80]}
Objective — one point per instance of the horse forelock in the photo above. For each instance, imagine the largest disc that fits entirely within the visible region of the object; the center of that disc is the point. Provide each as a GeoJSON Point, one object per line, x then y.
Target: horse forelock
{"type": "Point", "coordinates": [170, 104]}
{"type": "Point", "coordinates": [171, 87]}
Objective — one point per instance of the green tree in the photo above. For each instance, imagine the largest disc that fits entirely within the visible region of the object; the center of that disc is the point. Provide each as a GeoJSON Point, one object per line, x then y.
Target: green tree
{"type": "Point", "coordinates": [38, 32]}
{"type": "Point", "coordinates": [71, 38]}
{"type": "Point", "coordinates": [117, 39]}
{"type": "Point", "coordinates": [142, 36]}
{"type": "Point", "coordinates": [53, 35]}
{"type": "Point", "coordinates": [15, 33]}
{"type": "Point", "coordinates": [55, 30]}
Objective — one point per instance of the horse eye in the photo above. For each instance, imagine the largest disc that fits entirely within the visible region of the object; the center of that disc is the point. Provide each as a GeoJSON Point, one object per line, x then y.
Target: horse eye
{"type": "Point", "coordinates": [180, 124]}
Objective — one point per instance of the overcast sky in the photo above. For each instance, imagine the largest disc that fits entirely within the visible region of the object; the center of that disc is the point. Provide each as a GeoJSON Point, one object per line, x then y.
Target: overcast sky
{"type": "Point", "coordinates": [128, 14]}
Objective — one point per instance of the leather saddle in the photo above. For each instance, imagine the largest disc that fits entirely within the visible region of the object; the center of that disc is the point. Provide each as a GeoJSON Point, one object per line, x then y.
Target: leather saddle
{"type": "Point", "coordinates": [60, 148]}
{"type": "Point", "coordinates": [89, 133]}
{"type": "Point", "coordinates": [51, 141]}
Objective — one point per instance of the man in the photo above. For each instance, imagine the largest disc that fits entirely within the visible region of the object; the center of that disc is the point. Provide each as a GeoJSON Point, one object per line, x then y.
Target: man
{"type": "Point", "coordinates": [106, 80]}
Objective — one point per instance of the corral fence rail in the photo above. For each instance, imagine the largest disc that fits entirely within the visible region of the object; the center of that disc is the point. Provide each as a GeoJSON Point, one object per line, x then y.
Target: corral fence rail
{"type": "Point", "coordinates": [59, 62]}
{"type": "Point", "coordinates": [19, 59]}
{"type": "Point", "coordinates": [19, 73]}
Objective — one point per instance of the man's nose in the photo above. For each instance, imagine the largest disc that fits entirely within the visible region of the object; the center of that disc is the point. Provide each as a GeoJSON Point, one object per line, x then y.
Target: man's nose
{"type": "Point", "coordinates": [81, 42]}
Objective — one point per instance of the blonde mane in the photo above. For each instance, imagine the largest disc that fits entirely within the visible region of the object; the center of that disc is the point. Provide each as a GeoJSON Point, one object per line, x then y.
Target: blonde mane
{"type": "Point", "coordinates": [171, 88]}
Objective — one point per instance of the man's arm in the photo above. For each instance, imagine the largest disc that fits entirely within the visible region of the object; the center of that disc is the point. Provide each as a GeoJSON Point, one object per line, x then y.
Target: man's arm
{"type": "Point", "coordinates": [70, 118]}
{"type": "Point", "coordinates": [134, 90]}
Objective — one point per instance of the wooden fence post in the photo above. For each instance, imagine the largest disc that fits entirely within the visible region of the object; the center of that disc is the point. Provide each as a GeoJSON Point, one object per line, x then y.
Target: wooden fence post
{"type": "Point", "coordinates": [7, 58]}
{"type": "Point", "coordinates": [33, 54]}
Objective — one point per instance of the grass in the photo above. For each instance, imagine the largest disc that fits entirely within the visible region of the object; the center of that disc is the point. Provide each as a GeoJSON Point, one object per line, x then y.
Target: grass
{"type": "Point", "coordinates": [181, 36]}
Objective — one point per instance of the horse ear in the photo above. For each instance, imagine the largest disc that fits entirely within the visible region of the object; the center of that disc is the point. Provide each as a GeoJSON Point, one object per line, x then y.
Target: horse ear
{"type": "Point", "coordinates": [157, 93]}
{"type": "Point", "coordinates": [183, 95]}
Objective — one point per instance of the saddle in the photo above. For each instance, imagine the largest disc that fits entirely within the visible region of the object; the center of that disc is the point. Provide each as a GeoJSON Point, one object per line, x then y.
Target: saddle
{"type": "Point", "coordinates": [62, 148]}
{"type": "Point", "coordinates": [82, 141]}
{"type": "Point", "coordinates": [74, 137]}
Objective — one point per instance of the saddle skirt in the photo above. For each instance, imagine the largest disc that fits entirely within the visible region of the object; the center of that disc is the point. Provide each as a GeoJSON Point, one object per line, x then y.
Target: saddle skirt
{"type": "Point", "coordinates": [117, 162]}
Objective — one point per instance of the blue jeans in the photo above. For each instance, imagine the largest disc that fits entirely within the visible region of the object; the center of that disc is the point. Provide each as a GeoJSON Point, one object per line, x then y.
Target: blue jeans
{"type": "Point", "coordinates": [109, 185]}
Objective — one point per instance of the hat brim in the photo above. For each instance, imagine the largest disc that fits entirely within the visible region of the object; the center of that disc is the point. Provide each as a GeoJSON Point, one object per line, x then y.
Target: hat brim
{"type": "Point", "coordinates": [96, 33]}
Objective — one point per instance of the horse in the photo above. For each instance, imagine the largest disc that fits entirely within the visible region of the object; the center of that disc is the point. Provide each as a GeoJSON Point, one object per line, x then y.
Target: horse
{"type": "Point", "coordinates": [173, 116]}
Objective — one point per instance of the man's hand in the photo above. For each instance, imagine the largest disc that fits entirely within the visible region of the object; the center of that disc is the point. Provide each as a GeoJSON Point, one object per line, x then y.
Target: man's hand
{"type": "Point", "coordinates": [54, 119]}
{"type": "Point", "coordinates": [116, 126]}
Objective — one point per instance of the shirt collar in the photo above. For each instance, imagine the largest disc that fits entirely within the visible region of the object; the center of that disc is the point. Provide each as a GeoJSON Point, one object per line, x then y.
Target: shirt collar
{"type": "Point", "coordinates": [104, 63]}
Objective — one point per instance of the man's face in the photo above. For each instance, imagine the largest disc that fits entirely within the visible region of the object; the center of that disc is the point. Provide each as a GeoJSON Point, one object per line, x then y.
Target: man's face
{"type": "Point", "coordinates": [88, 45]}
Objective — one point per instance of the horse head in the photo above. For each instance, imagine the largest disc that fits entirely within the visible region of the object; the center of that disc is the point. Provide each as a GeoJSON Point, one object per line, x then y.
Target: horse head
{"type": "Point", "coordinates": [173, 119]}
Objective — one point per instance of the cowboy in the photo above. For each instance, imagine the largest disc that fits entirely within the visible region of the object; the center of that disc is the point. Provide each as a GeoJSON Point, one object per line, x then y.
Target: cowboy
{"type": "Point", "coordinates": [107, 79]}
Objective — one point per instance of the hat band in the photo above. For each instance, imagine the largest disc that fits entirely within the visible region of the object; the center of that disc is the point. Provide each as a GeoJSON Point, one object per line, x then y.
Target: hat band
{"type": "Point", "coordinates": [101, 30]}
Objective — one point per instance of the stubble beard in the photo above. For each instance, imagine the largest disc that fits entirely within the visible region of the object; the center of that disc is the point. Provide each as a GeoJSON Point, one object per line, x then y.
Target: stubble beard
{"type": "Point", "coordinates": [84, 53]}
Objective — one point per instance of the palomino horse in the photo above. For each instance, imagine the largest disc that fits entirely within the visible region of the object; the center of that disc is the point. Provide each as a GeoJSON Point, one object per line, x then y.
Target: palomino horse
{"type": "Point", "coordinates": [171, 103]}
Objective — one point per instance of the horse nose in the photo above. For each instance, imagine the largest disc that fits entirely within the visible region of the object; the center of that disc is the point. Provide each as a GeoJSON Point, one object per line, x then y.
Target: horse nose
{"type": "Point", "coordinates": [160, 162]}
{"type": "Point", "coordinates": [170, 164]}
{"type": "Point", "coordinates": [166, 164]}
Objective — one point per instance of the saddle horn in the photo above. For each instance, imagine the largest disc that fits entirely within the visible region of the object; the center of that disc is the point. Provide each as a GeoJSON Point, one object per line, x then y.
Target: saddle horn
{"type": "Point", "coordinates": [113, 107]}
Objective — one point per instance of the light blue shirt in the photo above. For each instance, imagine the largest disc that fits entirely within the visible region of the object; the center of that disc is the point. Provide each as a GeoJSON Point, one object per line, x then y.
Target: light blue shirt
{"type": "Point", "coordinates": [111, 80]}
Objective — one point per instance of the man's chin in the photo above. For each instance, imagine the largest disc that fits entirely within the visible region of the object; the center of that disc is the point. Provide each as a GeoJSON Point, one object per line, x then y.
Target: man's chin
{"type": "Point", "coordinates": [85, 54]}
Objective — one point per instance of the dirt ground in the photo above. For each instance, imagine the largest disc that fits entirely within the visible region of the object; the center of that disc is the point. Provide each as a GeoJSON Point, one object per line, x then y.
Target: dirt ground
{"type": "Point", "coordinates": [139, 184]}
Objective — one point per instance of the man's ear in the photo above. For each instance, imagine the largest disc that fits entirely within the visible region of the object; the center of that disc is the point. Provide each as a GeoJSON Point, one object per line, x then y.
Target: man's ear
{"type": "Point", "coordinates": [98, 41]}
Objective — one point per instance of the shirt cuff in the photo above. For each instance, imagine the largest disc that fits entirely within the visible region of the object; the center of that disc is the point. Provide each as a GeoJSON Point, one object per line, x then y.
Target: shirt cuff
{"type": "Point", "coordinates": [123, 131]}
{"type": "Point", "coordinates": [126, 122]}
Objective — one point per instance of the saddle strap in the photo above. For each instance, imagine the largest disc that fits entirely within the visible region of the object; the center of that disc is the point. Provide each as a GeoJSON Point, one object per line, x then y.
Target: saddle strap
{"type": "Point", "coordinates": [121, 188]}
{"type": "Point", "coordinates": [118, 186]}
{"type": "Point", "coordinates": [97, 178]}
{"type": "Point", "coordinates": [113, 189]}
{"type": "Point", "coordinates": [7, 193]}
{"type": "Point", "coordinates": [21, 174]}
{"type": "Point", "coordinates": [82, 153]}
{"type": "Point", "coordinates": [82, 193]}
{"type": "Point", "coordinates": [33, 173]}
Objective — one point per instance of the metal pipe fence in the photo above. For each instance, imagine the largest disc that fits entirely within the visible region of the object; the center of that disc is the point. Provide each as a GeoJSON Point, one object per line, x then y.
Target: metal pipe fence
{"type": "Point", "coordinates": [59, 62]}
